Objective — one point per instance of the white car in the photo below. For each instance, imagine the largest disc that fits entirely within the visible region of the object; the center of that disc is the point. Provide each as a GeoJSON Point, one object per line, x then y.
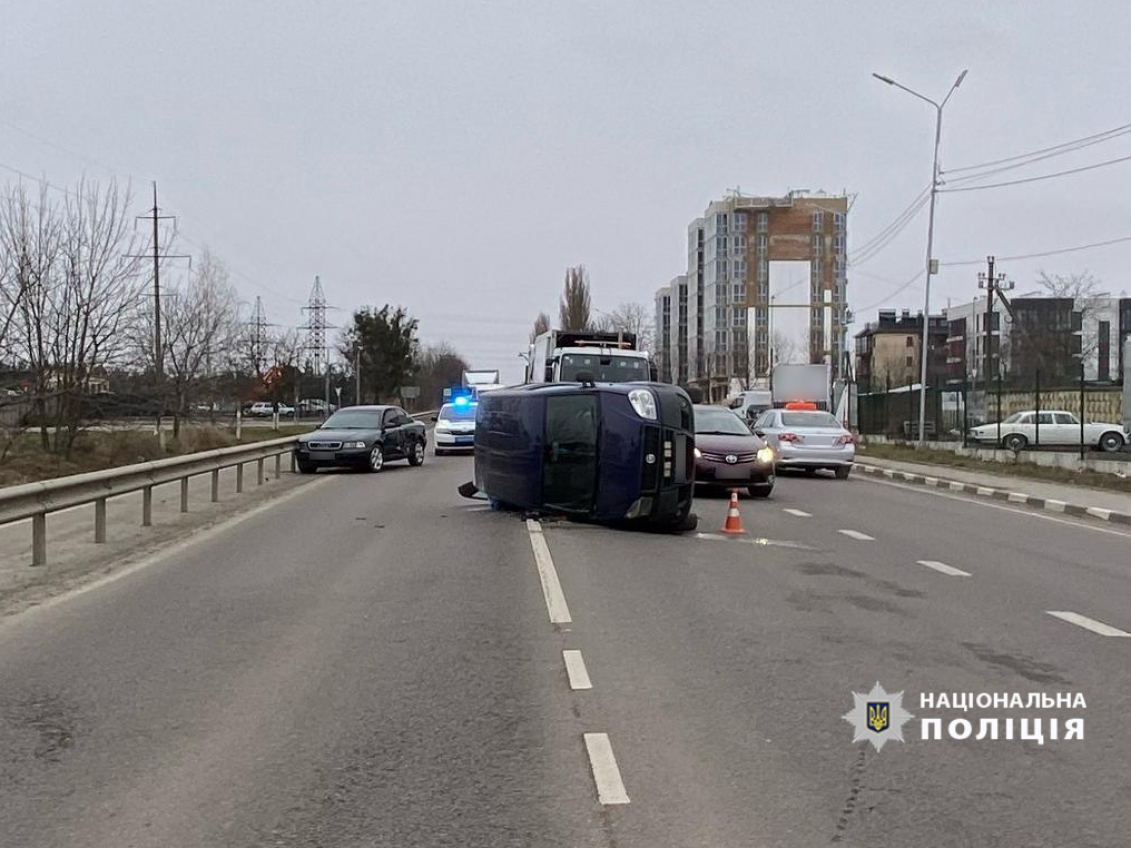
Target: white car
{"type": "Point", "coordinates": [808, 439]}
{"type": "Point", "coordinates": [455, 426]}
{"type": "Point", "coordinates": [1057, 427]}
{"type": "Point", "coordinates": [265, 409]}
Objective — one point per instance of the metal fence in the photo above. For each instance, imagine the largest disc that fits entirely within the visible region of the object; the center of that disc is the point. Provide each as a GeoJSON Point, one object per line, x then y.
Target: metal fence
{"type": "Point", "coordinates": [38, 500]}
{"type": "Point", "coordinates": [953, 410]}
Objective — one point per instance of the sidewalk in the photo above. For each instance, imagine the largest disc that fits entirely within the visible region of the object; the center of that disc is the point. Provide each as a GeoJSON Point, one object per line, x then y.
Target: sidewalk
{"type": "Point", "coordinates": [1053, 497]}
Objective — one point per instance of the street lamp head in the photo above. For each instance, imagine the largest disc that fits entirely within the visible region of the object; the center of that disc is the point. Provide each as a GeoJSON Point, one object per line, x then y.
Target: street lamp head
{"type": "Point", "coordinates": [888, 80]}
{"type": "Point", "coordinates": [961, 77]}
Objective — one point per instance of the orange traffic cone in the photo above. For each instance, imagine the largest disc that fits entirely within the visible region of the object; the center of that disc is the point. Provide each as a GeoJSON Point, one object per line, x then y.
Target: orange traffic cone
{"type": "Point", "coordinates": [733, 524]}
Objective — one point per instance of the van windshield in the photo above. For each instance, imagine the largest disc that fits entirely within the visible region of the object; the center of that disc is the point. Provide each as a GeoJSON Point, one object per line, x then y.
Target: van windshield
{"type": "Point", "coordinates": [605, 368]}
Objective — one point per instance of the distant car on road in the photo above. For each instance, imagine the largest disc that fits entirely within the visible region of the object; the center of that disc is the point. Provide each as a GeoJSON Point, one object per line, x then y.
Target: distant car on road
{"type": "Point", "coordinates": [1057, 427]}
{"type": "Point", "coordinates": [265, 409]}
{"type": "Point", "coordinates": [362, 437]}
{"type": "Point", "coordinates": [315, 406]}
{"type": "Point", "coordinates": [455, 426]}
{"type": "Point", "coordinates": [809, 439]}
{"type": "Point", "coordinates": [728, 455]}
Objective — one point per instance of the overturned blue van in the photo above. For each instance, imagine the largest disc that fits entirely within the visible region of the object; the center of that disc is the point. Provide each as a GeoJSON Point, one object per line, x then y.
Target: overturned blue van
{"type": "Point", "coordinates": [617, 452]}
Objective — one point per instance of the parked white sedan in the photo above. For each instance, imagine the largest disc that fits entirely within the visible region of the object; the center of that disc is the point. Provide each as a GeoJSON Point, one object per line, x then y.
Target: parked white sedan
{"type": "Point", "coordinates": [1051, 427]}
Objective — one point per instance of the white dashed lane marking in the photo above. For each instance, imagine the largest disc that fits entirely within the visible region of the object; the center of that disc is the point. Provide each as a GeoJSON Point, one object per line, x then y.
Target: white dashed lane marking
{"type": "Point", "coordinates": [551, 587]}
{"type": "Point", "coordinates": [606, 774]}
{"type": "Point", "coordinates": [800, 513]}
{"type": "Point", "coordinates": [943, 568]}
{"type": "Point", "coordinates": [576, 670]}
{"type": "Point", "coordinates": [856, 534]}
{"type": "Point", "coordinates": [1088, 623]}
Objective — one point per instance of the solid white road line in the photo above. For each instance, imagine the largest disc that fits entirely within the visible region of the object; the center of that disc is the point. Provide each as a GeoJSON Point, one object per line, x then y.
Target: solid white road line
{"type": "Point", "coordinates": [856, 534]}
{"type": "Point", "coordinates": [610, 788]}
{"type": "Point", "coordinates": [551, 588]}
{"type": "Point", "coordinates": [800, 513]}
{"type": "Point", "coordinates": [1088, 623]}
{"type": "Point", "coordinates": [1028, 513]}
{"type": "Point", "coordinates": [944, 568]}
{"type": "Point", "coordinates": [575, 668]}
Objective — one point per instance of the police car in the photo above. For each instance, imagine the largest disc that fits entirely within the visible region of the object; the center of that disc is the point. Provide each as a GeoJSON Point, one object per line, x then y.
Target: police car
{"type": "Point", "coordinates": [455, 425]}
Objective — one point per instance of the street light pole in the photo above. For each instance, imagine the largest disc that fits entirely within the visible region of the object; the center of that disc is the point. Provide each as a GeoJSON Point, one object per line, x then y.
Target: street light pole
{"type": "Point", "coordinates": [924, 349]}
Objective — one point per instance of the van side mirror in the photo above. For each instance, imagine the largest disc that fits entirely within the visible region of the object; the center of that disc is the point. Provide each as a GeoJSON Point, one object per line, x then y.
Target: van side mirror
{"type": "Point", "coordinates": [435, 417]}
{"type": "Point", "coordinates": [586, 378]}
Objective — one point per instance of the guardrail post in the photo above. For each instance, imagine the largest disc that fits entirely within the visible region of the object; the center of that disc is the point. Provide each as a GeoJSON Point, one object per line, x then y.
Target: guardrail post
{"type": "Point", "coordinates": [239, 477]}
{"type": "Point", "coordinates": [147, 506]}
{"type": "Point", "coordinates": [100, 521]}
{"type": "Point", "coordinates": [39, 539]}
{"type": "Point", "coordinates": [216, 486]}
{"type": "Point", "coordinates": [278, 465]}
{"type": "Point", "coordinates": [184, 494]}
{"type": "Point", "coordinates": [259, 471]}
{"type": "Point", "coordinates": [294, 466]}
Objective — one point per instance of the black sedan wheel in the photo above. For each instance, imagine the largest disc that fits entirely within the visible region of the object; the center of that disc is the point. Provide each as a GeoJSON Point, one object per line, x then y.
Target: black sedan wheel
{"type": "Point", "coordinates": [416, 454]}
{"type": "Point", "coordinates": [305, 467]}
{"type": "Point", "coordinates": [376, 459]}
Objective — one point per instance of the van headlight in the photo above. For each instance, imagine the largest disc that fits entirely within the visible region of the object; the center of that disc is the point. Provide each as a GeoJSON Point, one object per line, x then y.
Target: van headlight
{"type": "Point", "coordinates": [765, 455]}
{"type": "Point", "coordinates": [644, 402]}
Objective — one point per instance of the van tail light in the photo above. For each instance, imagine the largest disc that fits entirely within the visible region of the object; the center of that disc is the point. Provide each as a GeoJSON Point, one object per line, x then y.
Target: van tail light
{"type": "Point", "coordinates": [846, 439]}
{"type": "Point", "coordinates": [788, 437]}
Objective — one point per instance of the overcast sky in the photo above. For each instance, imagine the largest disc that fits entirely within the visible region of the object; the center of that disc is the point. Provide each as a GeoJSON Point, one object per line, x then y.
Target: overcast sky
{"type": "Point", "coordinates": [455, 157]}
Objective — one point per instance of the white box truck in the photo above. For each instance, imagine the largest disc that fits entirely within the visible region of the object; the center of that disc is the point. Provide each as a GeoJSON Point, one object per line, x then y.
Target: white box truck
{"type": "Point", "coordinates": [802, 383]}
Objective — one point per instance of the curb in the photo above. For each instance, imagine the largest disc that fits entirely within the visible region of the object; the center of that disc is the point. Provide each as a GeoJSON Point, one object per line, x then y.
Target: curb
{"type": "Point", "coordinates": [1047, 504]}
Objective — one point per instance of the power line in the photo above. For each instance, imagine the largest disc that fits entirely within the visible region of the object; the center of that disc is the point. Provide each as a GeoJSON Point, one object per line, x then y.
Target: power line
{"type": "Point", "coordinates": [890, 294]}
{"type": "Point", "coordinates": [1045, 253]}
{"type": "Point", "coordinates": [871, 253]}
{"type": "Point", "coordinates": [1042, 177]}
{"type": "Point", "coordinates": [913, 207]}
{"type": "Point", "coordinates": [1076, 144]}
{"type": "Point", "coordinates": [1024, 164]}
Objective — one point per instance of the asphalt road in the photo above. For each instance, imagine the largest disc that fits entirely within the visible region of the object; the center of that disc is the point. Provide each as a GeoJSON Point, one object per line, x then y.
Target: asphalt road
{"type": "Point", "coordinates": [373, 663]}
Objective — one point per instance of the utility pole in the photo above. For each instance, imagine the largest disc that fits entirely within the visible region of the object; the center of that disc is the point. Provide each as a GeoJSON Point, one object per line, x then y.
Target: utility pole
{"type": "Point", "coordinates": [158, 346]}
{"type": "Point", "coordinates": [993, 284]}
{"type": "Point", "coordinates": [357, 370]}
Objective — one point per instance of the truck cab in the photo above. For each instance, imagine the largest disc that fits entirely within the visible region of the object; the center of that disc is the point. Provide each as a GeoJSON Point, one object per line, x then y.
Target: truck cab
{"type": "Point", "coordinates": [559, 357]}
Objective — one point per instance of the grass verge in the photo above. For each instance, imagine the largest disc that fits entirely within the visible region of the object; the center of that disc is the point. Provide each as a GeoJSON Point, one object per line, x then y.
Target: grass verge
{"type": "Point", "coordinates": [1021, 468]}
{"type": "Point", "coordinates": [27, 462]}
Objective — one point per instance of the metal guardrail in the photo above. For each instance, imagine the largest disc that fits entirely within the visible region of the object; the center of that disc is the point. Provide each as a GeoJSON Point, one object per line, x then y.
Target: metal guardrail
{"type": "Point", "coordinates": [38, 500]}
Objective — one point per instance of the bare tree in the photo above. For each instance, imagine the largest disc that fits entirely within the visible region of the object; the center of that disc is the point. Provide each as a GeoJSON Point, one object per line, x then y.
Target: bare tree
{"type": "Point", "coordinates": [630, 318]}
{"type": "Point", "coordinates": [71, 266]}
{"type": "Point", "coordinates": [541, 325]}
{"type": "Point", "coordinates": [789, 349]}
{"type": "Point", "coordinates": [575, 306]}
{"type": "Point", "coordinates": [1085, 292]}
{"type": "Point", "coordinates": [200, 331]}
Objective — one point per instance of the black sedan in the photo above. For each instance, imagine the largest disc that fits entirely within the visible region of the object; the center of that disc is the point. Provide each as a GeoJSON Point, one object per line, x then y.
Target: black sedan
{"type": "Point", "coordinates": [362, 437]}
{"type": "Point", "coordinates": [728, 455]}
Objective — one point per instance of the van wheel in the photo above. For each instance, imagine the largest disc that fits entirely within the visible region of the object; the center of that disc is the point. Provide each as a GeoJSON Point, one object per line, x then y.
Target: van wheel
{"type": "Point", "coordinates": [762, 491]}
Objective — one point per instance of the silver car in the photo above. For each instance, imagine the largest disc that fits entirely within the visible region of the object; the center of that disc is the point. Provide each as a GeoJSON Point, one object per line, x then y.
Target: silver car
{"type": "Point", "coordinates": [809, 439]}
